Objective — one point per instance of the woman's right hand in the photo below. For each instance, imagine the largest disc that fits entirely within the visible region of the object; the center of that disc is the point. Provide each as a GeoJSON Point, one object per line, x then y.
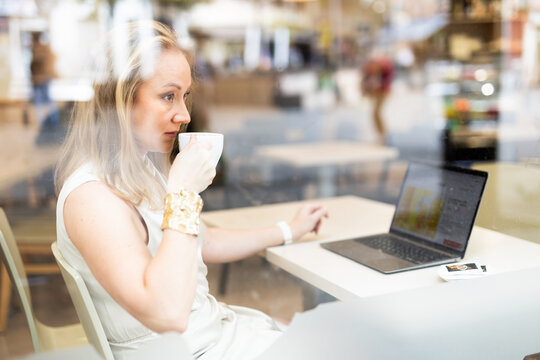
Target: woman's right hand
{"type": "Point", "coordinates": [192, 168]}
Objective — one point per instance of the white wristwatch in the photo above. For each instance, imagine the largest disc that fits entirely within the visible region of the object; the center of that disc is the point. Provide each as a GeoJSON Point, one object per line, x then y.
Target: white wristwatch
{"type": "Point", "coordinates": [286, 231]}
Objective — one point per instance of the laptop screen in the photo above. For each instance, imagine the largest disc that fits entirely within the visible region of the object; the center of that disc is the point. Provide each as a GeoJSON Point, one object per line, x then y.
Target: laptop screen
{"type": "Point", "coordinates": [439, 204]}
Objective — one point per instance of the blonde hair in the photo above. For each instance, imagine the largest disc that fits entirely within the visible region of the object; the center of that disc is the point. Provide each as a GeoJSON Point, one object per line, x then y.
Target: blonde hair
{"type": "Point", "coordinates": [101, 129]}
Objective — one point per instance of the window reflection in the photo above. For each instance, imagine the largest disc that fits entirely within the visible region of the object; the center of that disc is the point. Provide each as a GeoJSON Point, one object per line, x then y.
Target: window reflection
{"type": "Point", "coordinates": [447, 81]}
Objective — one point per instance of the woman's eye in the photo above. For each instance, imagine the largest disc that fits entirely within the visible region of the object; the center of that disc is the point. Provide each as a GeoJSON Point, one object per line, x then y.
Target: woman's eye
{"type": "Point", "coordinates": [186, 94]}
{"type": "Point", "coordinates": [168, 97]}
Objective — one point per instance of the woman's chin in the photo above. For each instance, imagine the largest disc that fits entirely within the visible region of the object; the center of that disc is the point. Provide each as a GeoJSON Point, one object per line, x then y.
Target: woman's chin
{"type": "Point", "coordinates": [163, 148]}
{"type": "Point", "coordinates": [166, 149]}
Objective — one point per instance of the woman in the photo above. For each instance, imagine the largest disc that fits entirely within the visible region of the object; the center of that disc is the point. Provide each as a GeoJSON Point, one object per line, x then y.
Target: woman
{"type": "Point", "coordinates": [143, 260]}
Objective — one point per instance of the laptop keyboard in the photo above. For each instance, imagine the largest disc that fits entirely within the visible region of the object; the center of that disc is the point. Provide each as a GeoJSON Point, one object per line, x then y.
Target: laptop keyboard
{"type": "Point", "coordinates": [402, 249]}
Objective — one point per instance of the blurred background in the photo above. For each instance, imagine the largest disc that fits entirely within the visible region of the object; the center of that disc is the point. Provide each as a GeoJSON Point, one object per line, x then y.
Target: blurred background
{"type": "Point", "coordinates": [439, 80]}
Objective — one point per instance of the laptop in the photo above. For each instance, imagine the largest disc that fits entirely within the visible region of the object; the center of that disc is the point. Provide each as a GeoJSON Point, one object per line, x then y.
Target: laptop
{"type": "Point", "coordinates": [432, 222]}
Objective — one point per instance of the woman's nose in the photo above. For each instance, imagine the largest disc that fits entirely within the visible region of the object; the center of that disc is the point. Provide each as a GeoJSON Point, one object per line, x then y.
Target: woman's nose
{"type": "Point", "coordinates": [182, 116]}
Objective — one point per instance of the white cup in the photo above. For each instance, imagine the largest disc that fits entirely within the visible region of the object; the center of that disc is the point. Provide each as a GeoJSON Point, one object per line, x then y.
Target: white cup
{"type": "Point", "coordinates": [215, 139]}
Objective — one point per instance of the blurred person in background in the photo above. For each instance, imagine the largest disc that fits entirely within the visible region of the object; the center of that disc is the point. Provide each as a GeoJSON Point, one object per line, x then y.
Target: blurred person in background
{"type": "Point", "coordinates": [42, 69]}
{"type": "Point", "coordinates": [129, 222]}
{"type": "Point", "coordinates": [376, 83]}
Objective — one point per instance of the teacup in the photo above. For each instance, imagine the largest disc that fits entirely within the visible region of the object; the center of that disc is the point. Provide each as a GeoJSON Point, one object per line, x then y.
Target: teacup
{"type": "Point", "coordinates": [215, 139]}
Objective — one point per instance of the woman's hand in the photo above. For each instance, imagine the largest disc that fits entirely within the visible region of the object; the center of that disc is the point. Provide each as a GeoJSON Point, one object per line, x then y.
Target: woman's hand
{"type": "Point", "coordinates": [307, 219]}
{"type": "Point", "coordinates": [192, 168]}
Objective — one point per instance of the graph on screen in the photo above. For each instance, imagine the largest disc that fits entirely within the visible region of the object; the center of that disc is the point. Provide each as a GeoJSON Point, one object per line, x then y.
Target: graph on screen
{"type": "Point", "coordinates": [419, 211]}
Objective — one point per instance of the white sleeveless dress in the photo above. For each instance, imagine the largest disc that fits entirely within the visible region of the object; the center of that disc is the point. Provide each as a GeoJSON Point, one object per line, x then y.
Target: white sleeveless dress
{"type": "Point", "coordinates": [215, 330]}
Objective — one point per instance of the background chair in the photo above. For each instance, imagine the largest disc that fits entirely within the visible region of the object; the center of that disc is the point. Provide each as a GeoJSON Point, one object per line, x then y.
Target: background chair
{"type": "Point", "coordinates": [84, 306]}
{"type": "Point", "coordinates": [511, 201]}
{"type": "Point", "coordinates": [43, 337]}
{"type": "Point", "coordinates": [35, 231]}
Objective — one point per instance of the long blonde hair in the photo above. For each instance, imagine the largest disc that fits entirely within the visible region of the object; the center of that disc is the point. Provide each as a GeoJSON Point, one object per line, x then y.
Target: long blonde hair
{"type": "Point", "coordinates": [100, 131]}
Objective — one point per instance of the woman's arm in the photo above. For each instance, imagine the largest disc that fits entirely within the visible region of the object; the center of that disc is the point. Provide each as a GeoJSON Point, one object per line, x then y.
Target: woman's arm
{"type": "Point", "coordinates": [225, 245]}
{"type": "Point", "coordinates": [112, 239]}
{"type": "Point", "coordinates": [110, 235]}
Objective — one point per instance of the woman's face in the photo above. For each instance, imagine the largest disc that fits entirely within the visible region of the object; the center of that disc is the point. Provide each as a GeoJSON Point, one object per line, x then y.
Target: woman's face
{"type": "Point", "coordinates": [160, 108]}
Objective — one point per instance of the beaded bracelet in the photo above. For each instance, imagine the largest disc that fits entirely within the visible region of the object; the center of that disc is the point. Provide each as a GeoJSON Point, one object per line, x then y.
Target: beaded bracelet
{"type": "Point", "coordinates": [181, 212]}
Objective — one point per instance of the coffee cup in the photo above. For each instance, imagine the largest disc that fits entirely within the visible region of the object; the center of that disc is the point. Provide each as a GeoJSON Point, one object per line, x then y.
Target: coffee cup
{"type": "Point", "coordinates": [215, 139]}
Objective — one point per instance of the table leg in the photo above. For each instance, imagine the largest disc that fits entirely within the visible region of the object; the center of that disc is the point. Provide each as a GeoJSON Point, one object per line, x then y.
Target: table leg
{"type": "Point", "coordinates": [327, 178]}
{"type": "Point", "coordinates": [223, 277]}
{"type": "Point", "coordinates": [33, 201]}
{"type": "Point", "coordinates": [266, 170]}
{"type": "Point", "coordinates": [381, 191]}
{"type": "Point", "coordinates": [313, 296]}
{"type": "Point", "coordinates": [5, 296]}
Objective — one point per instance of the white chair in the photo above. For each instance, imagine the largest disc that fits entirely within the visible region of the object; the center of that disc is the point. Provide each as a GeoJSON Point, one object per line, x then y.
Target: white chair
{"type": "Point", "coordinates": [44, 338]}
{"type": "Point", "coordinates": [34, 236]}
{"type": "Point", "coordinates": [84, 306]}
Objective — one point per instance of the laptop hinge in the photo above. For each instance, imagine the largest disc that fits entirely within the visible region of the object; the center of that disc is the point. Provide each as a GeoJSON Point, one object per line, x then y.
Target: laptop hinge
{"type": "Point", "coordinates": [427, 244]}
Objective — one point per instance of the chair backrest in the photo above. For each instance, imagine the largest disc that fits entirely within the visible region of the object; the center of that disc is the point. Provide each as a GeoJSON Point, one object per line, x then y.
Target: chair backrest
{"type": "Point", "coordinates": [83, 305]}
{"type": "Point", "coordinates": [11, 258]}
{"type": "Point", "coordinates": [511, 202]}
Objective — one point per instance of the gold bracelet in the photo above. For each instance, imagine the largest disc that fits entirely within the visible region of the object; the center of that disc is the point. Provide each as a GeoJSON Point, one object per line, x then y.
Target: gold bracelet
{"type": "Point", "coordinates": [181, 213]}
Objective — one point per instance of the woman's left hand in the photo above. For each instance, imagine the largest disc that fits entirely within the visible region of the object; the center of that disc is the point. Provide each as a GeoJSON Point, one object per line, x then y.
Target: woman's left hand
{"type": "Point", "coordinates": [307, 219]}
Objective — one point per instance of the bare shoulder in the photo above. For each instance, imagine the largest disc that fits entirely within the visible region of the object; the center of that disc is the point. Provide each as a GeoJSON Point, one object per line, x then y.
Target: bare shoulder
{"type": "Point", "coordinates": [92, 211]}
{"type": "Point", "coordinates": [110, 237]}
{"type": "Point", "coordinates": [93, 196]}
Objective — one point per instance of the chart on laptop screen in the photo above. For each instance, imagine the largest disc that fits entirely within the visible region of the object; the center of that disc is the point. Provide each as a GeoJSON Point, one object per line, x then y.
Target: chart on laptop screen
{"type": "Point", "coordinates": [419, 211]}
{"type": "Point", "coordinates": [438, 205]}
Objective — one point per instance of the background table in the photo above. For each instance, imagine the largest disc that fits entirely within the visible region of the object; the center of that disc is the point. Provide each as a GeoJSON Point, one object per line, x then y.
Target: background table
{"type": "Point", "coordinates": [352, 216]}
{"type": "Point", "coordinates": [326, 156]}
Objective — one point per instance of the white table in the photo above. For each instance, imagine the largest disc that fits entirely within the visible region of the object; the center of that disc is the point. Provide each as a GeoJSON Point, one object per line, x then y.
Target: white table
{"type": "Point", "coordinates": [494, 317]}
{"type": "Point", "coordinates": [325, 156]}
{"type": "Point", "coordinates": [353, 216]}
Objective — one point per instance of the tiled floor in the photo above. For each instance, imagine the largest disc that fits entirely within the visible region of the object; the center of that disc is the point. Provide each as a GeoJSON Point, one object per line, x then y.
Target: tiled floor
{"type": "Point", "coordinates": [414, 129]}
